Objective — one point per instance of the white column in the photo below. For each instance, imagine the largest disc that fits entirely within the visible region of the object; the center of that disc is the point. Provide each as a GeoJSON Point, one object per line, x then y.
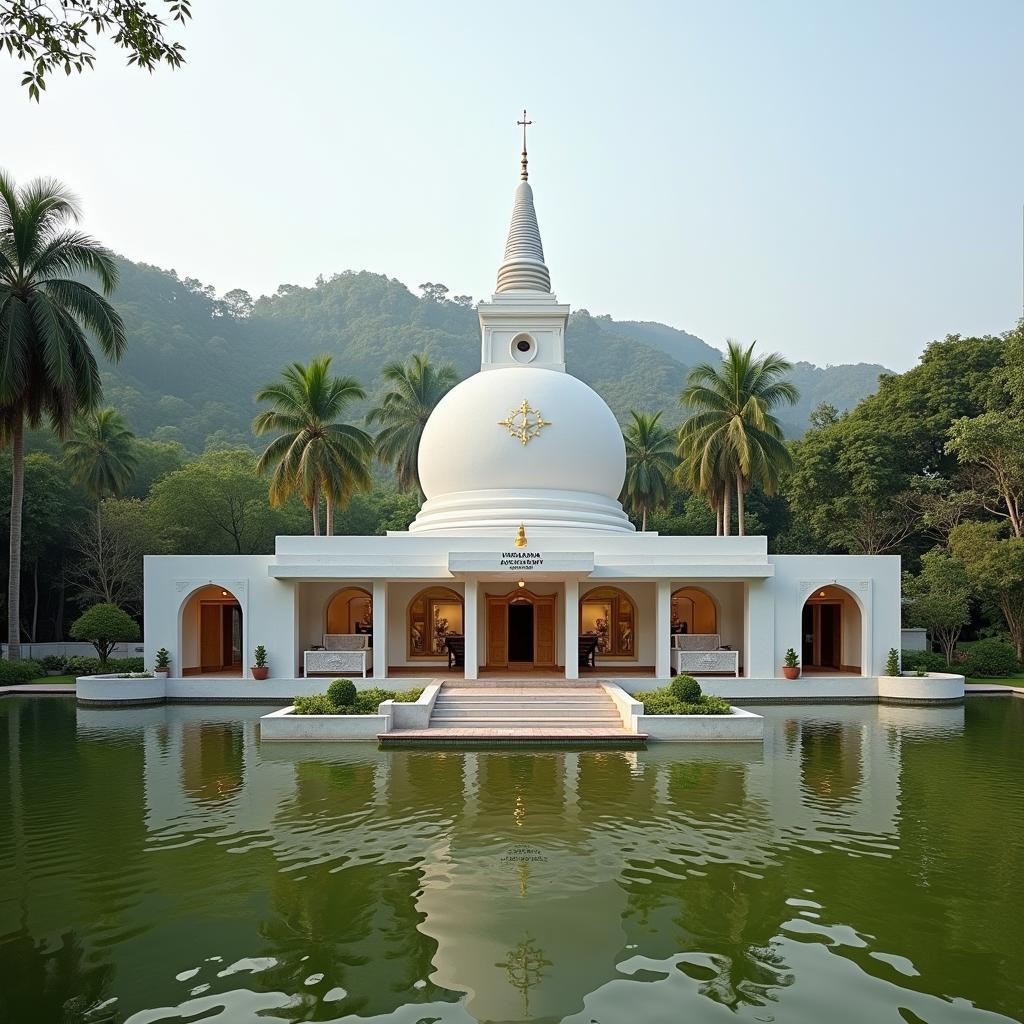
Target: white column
{"type": "Point", "coordinates": [663, 629]}
{"type": "Point", "coordinates": [761, 659]}
{"type": "Point", "coordinates": [470, 629]}
{"type": "Point", "coordinates": [380, 629]}
{"type": "Point", "coordinates": [572, 629]}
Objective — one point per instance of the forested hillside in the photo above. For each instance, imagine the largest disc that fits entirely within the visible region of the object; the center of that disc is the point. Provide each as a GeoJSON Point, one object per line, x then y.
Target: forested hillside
{"type": "Point", "coordinates": [195, 360]}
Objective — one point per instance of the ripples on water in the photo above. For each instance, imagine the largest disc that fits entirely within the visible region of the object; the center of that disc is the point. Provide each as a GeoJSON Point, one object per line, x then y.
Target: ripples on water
{"type": "Point", "coordinates": [161, 865]}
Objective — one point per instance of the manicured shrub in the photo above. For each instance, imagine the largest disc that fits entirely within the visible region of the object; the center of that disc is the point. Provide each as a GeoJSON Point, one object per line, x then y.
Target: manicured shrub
{"type": "Point", "coordinates": [407, 696]}
{"type": "Point", "coordinates": [316, 704]}
{"type": "Point", "coordinates": [686, 689]}
{"type": "Point", "coordinates": [84, 665]}
{"type": "Point", "coordinates": [22, 671]}
{"type": "Point", "coordinates": [104, 626]}
{"type": "Point", "coordinates": [932, 661]}
{"type": "Point", "coordinates": [665, 702]}
{"type": "Point", "coordinates": [990, 657]}
{"type": "Point", "coordinates": [342, 693]}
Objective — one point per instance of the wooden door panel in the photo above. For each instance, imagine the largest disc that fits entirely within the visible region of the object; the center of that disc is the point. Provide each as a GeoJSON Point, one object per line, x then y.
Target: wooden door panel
{"type": "Point", "coordinates": [544, 634]}
{"type": "Point", "coordinates": [497, 633]}
{"type": "Point", "coordinates": [210, 637]}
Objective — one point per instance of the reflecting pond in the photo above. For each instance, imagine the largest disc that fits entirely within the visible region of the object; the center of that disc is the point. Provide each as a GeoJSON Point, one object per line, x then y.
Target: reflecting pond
{"type": "Point", "coordinates": [160, 864]}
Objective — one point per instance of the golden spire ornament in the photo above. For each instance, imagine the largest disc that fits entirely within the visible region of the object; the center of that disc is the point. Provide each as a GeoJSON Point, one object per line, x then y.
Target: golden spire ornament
{"type": "Point", "coordinates": [521, 540]}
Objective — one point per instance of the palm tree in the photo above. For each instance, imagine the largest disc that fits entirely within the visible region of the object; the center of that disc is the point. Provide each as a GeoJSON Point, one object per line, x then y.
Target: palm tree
{"type": "Point", "coordinates": [101, 456]}
{"type": "Point", "coordinates": [315, 455]}
{"type": "Point", "coordinates": [46, 365]}
{"type": "Point", "coordinates": [650, 463]}
{"type": "Point", "coordinates": [403, 412]}
{"type": "Point", "coordinates": [731, 438]}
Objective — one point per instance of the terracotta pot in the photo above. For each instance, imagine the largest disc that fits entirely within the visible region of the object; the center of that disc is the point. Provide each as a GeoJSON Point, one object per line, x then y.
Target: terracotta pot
{"type": "Point", "coordinates": [260, 673]}
{"type": "Point", "coordinates": [791, 672]}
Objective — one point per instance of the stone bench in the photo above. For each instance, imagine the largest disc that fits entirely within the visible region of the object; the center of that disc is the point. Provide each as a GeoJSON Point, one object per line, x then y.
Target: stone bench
{"type": "Point", "coordinates": [697, 653]}
{"type": "Point", "coordinates": [342, 654]}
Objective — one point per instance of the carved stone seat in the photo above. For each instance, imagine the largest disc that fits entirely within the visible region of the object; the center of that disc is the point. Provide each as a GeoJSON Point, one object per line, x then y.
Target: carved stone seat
{"type": "Point", "coordinates": [342, 654]}
{"type": "Point", "coordinates": [702, 653]}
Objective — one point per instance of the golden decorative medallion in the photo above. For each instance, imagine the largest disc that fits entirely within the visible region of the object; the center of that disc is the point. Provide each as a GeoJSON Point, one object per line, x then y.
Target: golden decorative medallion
{"type": "Point", "coordinates": [524, 423]}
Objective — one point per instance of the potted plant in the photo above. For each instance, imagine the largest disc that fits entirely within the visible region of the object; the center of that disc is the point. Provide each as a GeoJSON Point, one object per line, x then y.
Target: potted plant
{"type": "Point", "coordinates": [791, 665]}
{"type": "Point", "coordinates": [163, 662]}
{"type": "Point", "coordinates": [260, 670]}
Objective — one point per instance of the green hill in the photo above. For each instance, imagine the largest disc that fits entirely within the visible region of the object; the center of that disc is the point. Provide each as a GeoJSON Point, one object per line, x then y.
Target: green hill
{"type": "Point", "coordinates": [195, 360]}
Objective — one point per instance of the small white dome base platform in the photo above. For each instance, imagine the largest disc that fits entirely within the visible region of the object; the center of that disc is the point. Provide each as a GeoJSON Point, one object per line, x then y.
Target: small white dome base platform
{"type": "Point", "coordinates": [544, 512]}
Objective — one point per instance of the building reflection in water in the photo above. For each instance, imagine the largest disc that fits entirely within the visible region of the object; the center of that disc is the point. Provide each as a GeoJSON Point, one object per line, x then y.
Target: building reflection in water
{"type": "Point", "coordinates": [402, 875]}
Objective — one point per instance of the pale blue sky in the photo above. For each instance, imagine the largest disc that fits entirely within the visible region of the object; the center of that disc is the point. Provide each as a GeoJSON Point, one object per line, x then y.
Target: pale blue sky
{"type": "Point", "coordinates": [841, 181]}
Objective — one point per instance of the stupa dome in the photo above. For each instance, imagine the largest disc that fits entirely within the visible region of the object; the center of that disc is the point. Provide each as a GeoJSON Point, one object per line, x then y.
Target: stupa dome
{"type": "Point", "coordinates": [521, 444]}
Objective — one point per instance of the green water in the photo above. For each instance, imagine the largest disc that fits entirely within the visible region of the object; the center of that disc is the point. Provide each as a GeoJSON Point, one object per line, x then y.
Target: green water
{"type": "Point", "coordinates": [161, 865]}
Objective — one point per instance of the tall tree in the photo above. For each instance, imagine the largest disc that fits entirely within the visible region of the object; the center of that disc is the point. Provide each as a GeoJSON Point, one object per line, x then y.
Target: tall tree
{"type": "Point", "coordinates": [939, 599]}
{"type": "Point", "coordinates": [650, 463]}
{"type": "Point", "coordinates": [315, 454]}
{"type": "Point", "coordinates": [46, 365]}
{"type": "Point", "coordinates": [101, 456]}
{"type": "Point", "coordinates": [731, 438]}
{"type": "Point", "coordinates": [415, 390]}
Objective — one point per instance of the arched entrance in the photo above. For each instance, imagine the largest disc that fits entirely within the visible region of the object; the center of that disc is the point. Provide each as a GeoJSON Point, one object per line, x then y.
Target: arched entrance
{"type": "Point", "coordinates": [212, 641]}
{"type": "Point", "coordinates": [694, 611]}
{"type": "Point", "coordinates": [350, 610]}
{"type": "Point", "coordinates": [520, 630]}
{"type": "Point", "coordinates": [831, 631]}
{"type": "Point", "coordinates": [434, 614]}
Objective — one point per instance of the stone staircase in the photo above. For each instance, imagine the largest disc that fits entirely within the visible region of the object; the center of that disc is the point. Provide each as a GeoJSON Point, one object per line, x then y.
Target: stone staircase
{"type": "Point", "coordinates": [510, 713]}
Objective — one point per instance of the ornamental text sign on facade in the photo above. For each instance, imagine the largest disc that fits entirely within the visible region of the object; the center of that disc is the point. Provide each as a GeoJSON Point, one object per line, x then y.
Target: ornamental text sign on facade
{"type": "Point", "coordinates": [520, 561]}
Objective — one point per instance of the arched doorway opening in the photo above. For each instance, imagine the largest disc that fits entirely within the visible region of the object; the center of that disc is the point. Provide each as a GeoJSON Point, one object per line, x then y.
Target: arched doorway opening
{"type": "Point", "coordinates": [693, 611]}
{"type": "Point", "coordinates": [212, 640]}
{"type": "Point", "coordinates": [609, 614]}
{"type": "Point", "coordinates": [520, 630]}
{"type": "Point", "coordinates": [349, 610]}
{"type": "Point", "coordinates": [433, 615]}
{"type": "Point", "coordinates": [831, 631]}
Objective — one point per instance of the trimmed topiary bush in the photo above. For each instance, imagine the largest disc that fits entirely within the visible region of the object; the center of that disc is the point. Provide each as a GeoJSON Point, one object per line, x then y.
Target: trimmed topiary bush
{"type": "Point", "coordinates": [686, 689]}
{"type": "Point", "coordinates": [990, 657]}
{"type": "Point", "coordinates": [22, 671]}
{"type": "Point", "coordinates": [84, 665]}
{"type": "Point", "coordinates": [342, 693]}
{"type": "Point", "coordinates": [104, 626]}
{"type": "Point", "coordinates": [892, 664]}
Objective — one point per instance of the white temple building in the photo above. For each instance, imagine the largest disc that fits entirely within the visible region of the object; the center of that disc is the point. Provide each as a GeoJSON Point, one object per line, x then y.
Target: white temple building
{"type": "Point", "coordinates": [521, 560]}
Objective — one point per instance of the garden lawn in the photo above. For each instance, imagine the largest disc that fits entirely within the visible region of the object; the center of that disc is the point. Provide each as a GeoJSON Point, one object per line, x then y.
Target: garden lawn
{"type": "Point", "coordinates": [49, 679]}
{"type": "Point", "coordinates": [1017, 679]}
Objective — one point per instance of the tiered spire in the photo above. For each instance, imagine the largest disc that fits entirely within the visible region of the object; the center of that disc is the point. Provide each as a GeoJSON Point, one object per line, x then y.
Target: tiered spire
{"type": "Point", "coordinates": [523, 268]}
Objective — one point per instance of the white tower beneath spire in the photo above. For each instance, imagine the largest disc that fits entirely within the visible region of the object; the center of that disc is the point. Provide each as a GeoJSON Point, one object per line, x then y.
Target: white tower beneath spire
{"type": "Point", "coordinates": [523, 324]}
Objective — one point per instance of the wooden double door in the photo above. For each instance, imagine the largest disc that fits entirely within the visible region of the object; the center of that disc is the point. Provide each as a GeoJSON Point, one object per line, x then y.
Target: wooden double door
{"type": "Point", "coordinates": [521, 630]}
{"type": "Point", "coordinates": [823, 635]}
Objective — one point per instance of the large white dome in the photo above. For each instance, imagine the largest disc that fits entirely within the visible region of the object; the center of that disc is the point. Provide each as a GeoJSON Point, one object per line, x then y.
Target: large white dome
{"type": "Point", "coordinates": [479, 477]}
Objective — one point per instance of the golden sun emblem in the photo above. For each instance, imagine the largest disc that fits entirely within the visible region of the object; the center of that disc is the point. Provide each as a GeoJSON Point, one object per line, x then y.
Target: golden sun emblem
{"type": "Point", "coordinates": [524, 423]}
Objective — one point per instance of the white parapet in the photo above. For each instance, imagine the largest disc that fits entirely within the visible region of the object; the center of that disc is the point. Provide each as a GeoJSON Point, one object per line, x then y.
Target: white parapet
{"type": "Point", "coordinates": [740, 725]}
{"type": "Point", "coordinates": [284, 725]}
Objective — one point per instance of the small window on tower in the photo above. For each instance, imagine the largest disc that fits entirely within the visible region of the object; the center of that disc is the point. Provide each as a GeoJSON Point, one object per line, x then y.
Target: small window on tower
{"type": "Point", "coordinates": [524, 348]}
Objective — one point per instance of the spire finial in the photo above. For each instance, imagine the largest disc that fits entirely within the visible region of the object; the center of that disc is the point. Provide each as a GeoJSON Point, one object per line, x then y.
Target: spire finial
{"type": "Point", "coordinates": [524, 174]}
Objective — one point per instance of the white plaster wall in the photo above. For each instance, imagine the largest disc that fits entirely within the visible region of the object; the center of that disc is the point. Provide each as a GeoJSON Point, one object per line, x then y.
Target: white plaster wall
{"type": "Point", "coordinates": [268, 615]}
{"type": "Point", "coordinates": [874, 580]}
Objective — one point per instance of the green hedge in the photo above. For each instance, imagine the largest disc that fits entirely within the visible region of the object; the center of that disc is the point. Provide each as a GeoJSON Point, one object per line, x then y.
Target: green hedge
{"type": "Point", "coordinates": [365, 702]}
{"type": "Point", "coordinates": [23, 671]}
{"type": "Point", "coordinates": [932, 661]}
{"type": "Point", "coordinates": [665, 702]}
{"type": "Point", "coordinates": [990, 657]}
{"type": "Point", "coordinates": [84, 665]}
